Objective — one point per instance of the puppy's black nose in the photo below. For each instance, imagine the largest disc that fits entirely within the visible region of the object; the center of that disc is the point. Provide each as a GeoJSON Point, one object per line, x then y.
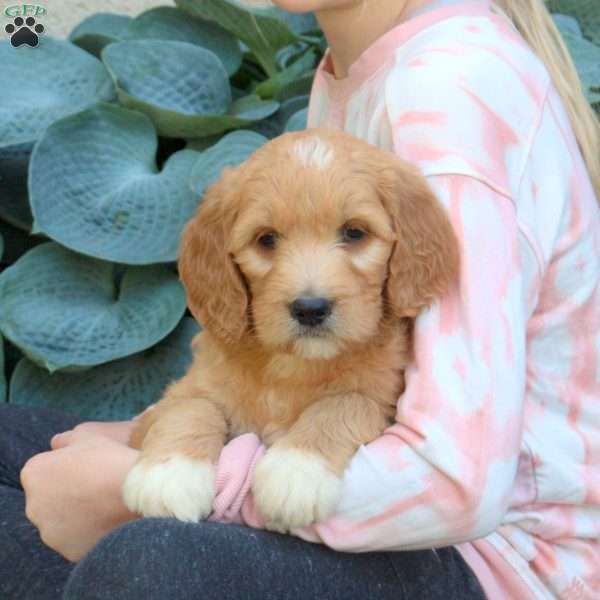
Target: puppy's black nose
{"type": "Point", "coordinates": [310, 311]}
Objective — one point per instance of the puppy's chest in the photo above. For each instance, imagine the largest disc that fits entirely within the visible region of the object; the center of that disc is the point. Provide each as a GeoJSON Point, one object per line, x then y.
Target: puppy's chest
{"type": "Point", "coordinates": [271, 410]}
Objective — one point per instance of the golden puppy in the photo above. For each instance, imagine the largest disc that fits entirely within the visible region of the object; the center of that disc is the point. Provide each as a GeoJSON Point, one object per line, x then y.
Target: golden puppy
{"type": "Point", "coordinates": [306, 266]}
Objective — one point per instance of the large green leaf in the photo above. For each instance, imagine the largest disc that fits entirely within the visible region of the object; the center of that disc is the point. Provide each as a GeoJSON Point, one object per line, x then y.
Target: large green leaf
{"type": "Point", "coordinates": [95, 187]}
{"type": "Point", "coordinates": [116, 390]}
{"type": "Point", "coordinates": [262, 31]}
{"type": "Point", "coordinates": [230, 151]}
{"type": "Point", "coordinates": [242, 112]}
{"type": "Point", "coordinates": [183, 88]}
{"type": "Point", "coordinates": [178, 76]}
{"type": "Point", "coordinates": [99, 30]}
{"type": "Point", "coordinates": [169, 23]}
{"type": "Point", "coordinates": [68, 311]}
{"type": "Point", "coordinates": [40, 85]}
{"type": "Point", "coordinates": [587, 13]}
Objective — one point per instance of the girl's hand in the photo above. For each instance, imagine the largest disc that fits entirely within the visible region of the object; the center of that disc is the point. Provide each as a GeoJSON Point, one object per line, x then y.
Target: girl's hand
{"type": "Point", "coordinates": [73, 493]}
{"type": "Point", "coordinates": [119, 431]}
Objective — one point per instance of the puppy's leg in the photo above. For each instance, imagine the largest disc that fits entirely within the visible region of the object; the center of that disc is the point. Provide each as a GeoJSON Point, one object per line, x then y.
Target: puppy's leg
{"type": "Point", "coordinates": [180, 442]}
{"type": "Point", "coordinates": [298, 481]}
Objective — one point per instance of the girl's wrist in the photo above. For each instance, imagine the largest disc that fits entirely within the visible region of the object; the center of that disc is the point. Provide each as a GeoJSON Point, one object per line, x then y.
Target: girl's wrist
{"type": "Point", "coordinates": [116, 509]}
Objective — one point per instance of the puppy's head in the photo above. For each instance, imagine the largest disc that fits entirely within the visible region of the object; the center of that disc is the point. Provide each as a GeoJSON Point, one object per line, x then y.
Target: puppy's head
{"type": "Point", "coordinates": [313, 244]}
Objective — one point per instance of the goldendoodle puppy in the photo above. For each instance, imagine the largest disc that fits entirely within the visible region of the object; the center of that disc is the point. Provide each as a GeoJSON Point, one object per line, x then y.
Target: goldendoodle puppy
{"type": "Point", "coordinates": [306, 266]}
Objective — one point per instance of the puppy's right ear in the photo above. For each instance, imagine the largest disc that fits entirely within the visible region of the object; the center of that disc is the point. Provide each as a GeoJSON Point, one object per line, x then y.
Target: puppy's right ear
{"type": "Point", "coordinates": [216, 291]}
{"type": "Point", "coordinates": [425, 261]}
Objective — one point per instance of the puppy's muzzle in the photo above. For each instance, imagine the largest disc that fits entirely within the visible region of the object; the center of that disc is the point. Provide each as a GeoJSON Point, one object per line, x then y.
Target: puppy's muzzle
{"type": "Point", "coordinates": [309, 311]}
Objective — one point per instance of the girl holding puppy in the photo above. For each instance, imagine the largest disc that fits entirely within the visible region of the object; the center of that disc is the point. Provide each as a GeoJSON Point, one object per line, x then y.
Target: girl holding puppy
{"type": "Point", "coordinates": [488, 482]}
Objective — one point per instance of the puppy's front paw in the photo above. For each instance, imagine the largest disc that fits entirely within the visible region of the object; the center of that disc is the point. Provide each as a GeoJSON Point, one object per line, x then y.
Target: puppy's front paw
{"type": "Point", "coordinates": [178, 487]}
{"type": "Point", "coordinates": [293, 488]}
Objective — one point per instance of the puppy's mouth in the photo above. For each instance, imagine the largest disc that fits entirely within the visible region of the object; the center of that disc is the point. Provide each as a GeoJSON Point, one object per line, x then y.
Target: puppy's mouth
{"type": "Point", "coordinates": [316, 343]}
{"type": "Point", "coordinates": [320, 331]}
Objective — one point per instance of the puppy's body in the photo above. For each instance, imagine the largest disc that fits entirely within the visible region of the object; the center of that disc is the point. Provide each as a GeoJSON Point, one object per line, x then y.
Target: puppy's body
{"type": "Point", "coordinates": [266, 394]}
{"type": "Point", "coordinates": [307, 266]}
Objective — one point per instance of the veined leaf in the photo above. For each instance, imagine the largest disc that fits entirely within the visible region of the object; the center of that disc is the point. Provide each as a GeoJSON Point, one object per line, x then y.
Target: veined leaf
{"type": "Point", "coordinates": [68, 311]}
{"type": "Point", "coordinates": [99, 30]}
{"type": "Point", "coordinates": [183, 88]}
{"type": "Point", "coordinates": [169, 23]}
{"type": "Point", "coordinates": [230, 151]}
{"type": "Point", "coordinates": [116, 390]}
{"type": "Point", "coordinates": [61, 79]}
{"type": "Point", "coordinates": [96, 189]}
{"type": "Point", "coordinates": [261, 31]}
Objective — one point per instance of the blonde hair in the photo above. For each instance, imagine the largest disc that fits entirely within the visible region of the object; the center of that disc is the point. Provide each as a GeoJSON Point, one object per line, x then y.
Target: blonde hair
{"type": "Point", "coordinates": [534, 23]}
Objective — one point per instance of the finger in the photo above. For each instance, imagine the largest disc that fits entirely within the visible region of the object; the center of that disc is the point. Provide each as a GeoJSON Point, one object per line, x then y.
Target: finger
{"type": "Point", "coordinates": [29, 512]}
{"type": "Point", "coordinates": [32, 468]}
{"type": "Point", "coordinates": [60, 440]}
{"type": "Point", "coordinates": [67, 438]}
{"type": "Point", "coordinates": [82, 436]}
{"type": "Point", "coordinates": [94, 426]}
{"type": "Point", "coordinates": [119, 431]}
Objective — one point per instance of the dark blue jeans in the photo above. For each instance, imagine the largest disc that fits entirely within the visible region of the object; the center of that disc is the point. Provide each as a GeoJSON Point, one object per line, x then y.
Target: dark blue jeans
{"type": "Point", "coordinates": [164, 559]}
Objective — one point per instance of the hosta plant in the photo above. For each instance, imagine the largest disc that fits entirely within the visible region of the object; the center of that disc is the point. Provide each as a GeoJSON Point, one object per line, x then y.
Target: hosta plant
{"type": "Point", "coordinates": [107, 142]}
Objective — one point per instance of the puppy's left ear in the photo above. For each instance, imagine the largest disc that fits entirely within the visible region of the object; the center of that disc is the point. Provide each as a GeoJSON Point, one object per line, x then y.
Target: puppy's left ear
{"type": "Point", "coordinates": [425, 259]}
{"type": "Point", "coordinates": [216, 291]}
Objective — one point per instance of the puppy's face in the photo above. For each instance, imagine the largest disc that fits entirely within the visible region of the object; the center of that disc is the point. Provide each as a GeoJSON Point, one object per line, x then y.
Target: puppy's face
{"type": "Point", "coordinates": [313, 243]}
{"type": "Point", "coordinates": [313, 240]}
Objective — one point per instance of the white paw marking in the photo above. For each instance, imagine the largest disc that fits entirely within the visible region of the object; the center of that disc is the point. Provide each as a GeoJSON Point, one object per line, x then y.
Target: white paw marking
{"type": "Point", "coordinates": [293, 488]}
{"type": "Point", "coordinates": [313, 152]}
{"type": "Point", "coordinates": [178, 487]}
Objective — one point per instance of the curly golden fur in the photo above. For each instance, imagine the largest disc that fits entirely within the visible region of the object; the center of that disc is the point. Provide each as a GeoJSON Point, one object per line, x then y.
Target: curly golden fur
{"type": "Point", "coordinates": [283, 225]}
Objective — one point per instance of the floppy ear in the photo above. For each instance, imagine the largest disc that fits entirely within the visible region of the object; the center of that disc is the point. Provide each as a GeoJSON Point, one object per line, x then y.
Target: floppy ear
{"type": "Point", "coordinates": [216, 290]}
{"type": "Point", "coordinates": [425, 258]}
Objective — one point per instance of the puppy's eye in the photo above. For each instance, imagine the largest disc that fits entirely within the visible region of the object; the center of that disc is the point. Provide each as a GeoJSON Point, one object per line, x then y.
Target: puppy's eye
{"type": "Point", "coordinates": [352, 234]}
{"type": "Point", "coordinates": [267, 240]}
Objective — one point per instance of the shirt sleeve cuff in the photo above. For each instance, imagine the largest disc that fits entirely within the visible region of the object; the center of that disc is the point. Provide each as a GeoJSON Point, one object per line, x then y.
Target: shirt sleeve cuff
{"type": "Point", "coordinates": [233, 501]}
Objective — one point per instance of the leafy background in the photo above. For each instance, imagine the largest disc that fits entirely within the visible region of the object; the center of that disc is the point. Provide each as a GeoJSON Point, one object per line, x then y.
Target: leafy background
{"type": "Point", "coordinates": [107, 143]}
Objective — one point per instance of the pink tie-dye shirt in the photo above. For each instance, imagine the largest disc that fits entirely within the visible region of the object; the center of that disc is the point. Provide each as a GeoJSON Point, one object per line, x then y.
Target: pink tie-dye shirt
{"type": "Point", "coordinates": [496, 444]}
